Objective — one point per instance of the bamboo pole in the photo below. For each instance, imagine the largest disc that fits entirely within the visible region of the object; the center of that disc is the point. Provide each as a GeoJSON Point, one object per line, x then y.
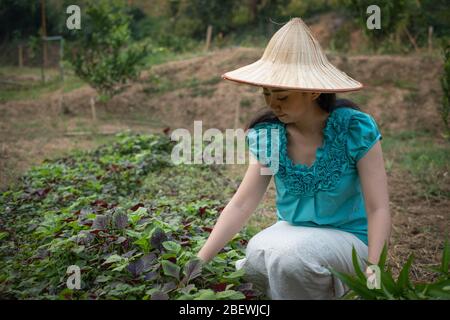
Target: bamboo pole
{"type": "Point", "coordinates": [412, 40]}
{"type": "Point", "coordinates": [20, 58]}
{"type": "Point", "coordinates": [237, 112]}
{"type": "Point", "coordinates": [208, 37]}
{"type": "Point", "coordinates": [430, 39]}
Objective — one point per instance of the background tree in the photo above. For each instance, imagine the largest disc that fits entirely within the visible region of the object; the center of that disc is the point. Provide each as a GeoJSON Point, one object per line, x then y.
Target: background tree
{"type": "Point", "coordinates": [403, 22]}
{"type": "Point", "coordinates": [102, 54]}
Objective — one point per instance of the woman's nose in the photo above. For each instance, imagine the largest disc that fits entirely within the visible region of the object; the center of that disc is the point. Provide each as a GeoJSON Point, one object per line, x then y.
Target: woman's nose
{"type": "Point", "coordinates": [275, 105]}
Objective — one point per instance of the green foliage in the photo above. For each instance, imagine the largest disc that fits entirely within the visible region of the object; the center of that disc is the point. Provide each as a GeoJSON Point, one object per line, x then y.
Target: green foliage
{"type": "Point", "coordinates": [12, 27]}
{"type": "Point", "coordinates": [392, 17]}
{"type": "Point", "coordinates": [131, 220]}
{"type": "Point", "coordinates": [445, 82]}
{"type": "Point", "coordinates": [341, 39]}
{"type": "Point", "coordinates": [308, 8]}
{"type": "Point", "coordinates": [179, 26]}
{"type": "Point", "coordinates": [104, 56]}
{"type": "Point", "coordinates": [194, 16]}
{"type": "Point", "coordinates": [402, 22]}
{"type": "Point", "coordinates": [160, 84]}
{"type": "Point", "coordinates": [427, 162]}
{"type": "Point", "coordinates": [403, 288]}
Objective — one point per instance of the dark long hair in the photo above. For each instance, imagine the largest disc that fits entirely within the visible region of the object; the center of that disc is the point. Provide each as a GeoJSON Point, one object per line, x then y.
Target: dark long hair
{"type": "Point", "coordinates": [326, 101]}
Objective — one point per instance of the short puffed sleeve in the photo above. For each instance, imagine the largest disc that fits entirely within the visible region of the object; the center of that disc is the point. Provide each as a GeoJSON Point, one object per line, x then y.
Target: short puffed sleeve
{"type": "Point", "coordinates": [263, 141]}
{"type": "Point", "coordinates": [363, 134]}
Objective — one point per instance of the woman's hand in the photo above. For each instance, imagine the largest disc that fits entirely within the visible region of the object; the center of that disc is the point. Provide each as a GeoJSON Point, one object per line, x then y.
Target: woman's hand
{"type": "Point", "coordinates": [201, 259]}
{"type": "Point", "coordinates": [368, 272]}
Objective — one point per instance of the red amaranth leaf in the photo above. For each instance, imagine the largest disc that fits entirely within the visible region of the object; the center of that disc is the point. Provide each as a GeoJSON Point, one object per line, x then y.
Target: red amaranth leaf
{"type": "Point", "coordinates": [217, 287]}
{"type": "Point", "coordinates": [172, 259]}
{"type": "Point", "coordinates": [186, 243]}
{"type": "Point", "coordinates": [186, 224]}
{"type": "Point", "coordinates": [243, 241]}
{"type": "Point", "coordinates": [113, 168]}
{"type": "Point", "coordinates": [101, 222]}
{"type": "Point", "coordinates": [207, 229]}
{"type": "Point", "coordinates": [192, 270]}
{"type": "Point", "coordinates": [41, 193]}
{"type": "Point", "coordinates": [95, 231]}
{"type": "Point", "coordinates": [136, 206]}
{"type": "Point", "coordinates": [136, 267]}
{"type": "Point", "coordinates": [158, 237]}
{"type": "Point", "coordinates": [121, 220]}
{"type": "Point", "coordinates": [87, 223]}
{"type": "Point", "coordinates": [158, 295]}
{"type": "Point", "coordinates": [99, 203]}
{"type": "Point", "coordinates": [249, 294]}
{"type": "Point", "coordinates": [201, 211]}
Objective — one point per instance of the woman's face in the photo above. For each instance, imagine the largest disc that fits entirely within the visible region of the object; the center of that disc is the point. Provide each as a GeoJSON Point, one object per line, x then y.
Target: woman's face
{"type": "Point", "coordinates": [289, 105]}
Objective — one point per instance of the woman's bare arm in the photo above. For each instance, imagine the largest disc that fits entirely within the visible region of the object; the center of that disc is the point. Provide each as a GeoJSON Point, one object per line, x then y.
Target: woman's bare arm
{"type": "Point", "coordinates": [374, 185]}
{"type": "Point", "coordinates": [237, 212]}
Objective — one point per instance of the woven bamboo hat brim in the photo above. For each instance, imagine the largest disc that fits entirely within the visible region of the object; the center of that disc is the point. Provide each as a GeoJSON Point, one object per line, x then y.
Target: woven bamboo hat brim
{"type": "Point", "coordinates": [293, 59]}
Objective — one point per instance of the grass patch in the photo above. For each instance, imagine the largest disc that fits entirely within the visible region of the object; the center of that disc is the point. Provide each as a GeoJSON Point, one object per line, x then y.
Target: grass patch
{"type": "Point", "coordinates": [360, 98]}
{"type": "Point", "coordinates": [427, 161]}
{"type": "Point", "coordinates": [26, 83]}
{"type": "Point", "coordinates": [203, 92]}
{"type": "Point", "coordinates": [398, 83]}
{"type": "Point", "coordinates": [164, 55]}
{"type": "Point", "coordinates": [405, 84]}
{"type": "Point", "coordinates": [34, 90]}
{"type": "Point", "coordinates": [245, 103]}
{"type": "Point", "coordinates": [162, 84]}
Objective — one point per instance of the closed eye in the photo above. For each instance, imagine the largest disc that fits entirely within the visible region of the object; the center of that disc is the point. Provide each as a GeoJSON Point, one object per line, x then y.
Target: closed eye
{"type": "Point", "coordinates": [284, 98]}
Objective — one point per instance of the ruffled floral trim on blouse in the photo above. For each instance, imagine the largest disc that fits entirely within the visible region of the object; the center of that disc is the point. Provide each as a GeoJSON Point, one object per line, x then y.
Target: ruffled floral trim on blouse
{"type": "Point", "coordinates": [348, 134]}
{"type": "Point", "coordinates": [330, 163]}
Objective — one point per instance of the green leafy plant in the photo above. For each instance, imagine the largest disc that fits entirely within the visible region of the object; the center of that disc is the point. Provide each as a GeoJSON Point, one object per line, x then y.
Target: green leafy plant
{"type": "Point", "coordinates": [118, 213]}
{"type": "Point", "coordinates": [401, 289]}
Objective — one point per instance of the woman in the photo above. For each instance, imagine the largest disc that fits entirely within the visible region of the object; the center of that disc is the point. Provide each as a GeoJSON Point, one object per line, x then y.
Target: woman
{"type": "Point", "coordinates": [328, 171]}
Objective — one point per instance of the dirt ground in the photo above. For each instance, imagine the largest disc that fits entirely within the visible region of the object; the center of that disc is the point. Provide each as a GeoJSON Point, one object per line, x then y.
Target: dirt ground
{"type": "Point", "coordinates": [401, 92]}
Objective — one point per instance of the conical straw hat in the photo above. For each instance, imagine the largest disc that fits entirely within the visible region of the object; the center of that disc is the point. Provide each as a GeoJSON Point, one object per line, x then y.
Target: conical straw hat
{"type": "Point", "coordinates": [293, 59]}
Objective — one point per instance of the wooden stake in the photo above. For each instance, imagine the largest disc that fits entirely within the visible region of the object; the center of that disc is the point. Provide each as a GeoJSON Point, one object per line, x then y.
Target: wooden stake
{"type": "Point", "coordinates": [93, 110]}
{"type": "Point", "coordinates": [430, 39]}
{"type": "Point", "coordinates": [20, 56]}
{"type": "Point", "coordinates": [237, 112]}
{"type": "Point", "coordinates": [61, 101]}
{"type": "Point", "coordinates": [412, 40]}
{"type": "Point", "coordinates": [208, 37]}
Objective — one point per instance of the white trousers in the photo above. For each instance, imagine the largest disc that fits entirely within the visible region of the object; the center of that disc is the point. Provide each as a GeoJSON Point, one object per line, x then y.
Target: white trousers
{"type": "Point", "coordinates": [288, 262]}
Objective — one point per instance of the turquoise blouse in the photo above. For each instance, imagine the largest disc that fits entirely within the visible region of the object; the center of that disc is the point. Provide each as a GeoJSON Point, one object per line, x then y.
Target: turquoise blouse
{"type": "Point", "coordinates": [328, 193]}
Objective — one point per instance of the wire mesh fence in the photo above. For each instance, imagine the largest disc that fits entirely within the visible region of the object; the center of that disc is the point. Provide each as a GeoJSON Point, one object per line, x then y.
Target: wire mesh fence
{"type": "Point", "coordinates": [27, 63]}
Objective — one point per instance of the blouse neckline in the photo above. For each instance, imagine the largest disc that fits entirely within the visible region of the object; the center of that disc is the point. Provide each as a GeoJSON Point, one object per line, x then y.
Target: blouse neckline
{"type": "Point", "coordinates": [319, 150]}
